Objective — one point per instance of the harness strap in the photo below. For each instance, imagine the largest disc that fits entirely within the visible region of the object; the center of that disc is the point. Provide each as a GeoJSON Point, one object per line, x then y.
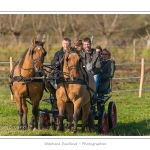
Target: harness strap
{"type": "Point", "coordinates": [66, 92]}
{"type": "Point", "coordinates": [78, 81]}
{"type": "Point", "coordinates": [23, 79]}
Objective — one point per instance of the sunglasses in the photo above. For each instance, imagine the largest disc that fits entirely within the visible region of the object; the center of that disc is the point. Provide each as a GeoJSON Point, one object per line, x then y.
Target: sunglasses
{"type": "Point", "coordinates": [104, 54]}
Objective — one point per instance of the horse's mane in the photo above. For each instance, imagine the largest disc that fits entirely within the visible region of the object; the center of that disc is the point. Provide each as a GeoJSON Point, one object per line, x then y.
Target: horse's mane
{"type": "Point", "coordinates": [20, 62]}
{"type": "Point", "coordinates": [22, 57]}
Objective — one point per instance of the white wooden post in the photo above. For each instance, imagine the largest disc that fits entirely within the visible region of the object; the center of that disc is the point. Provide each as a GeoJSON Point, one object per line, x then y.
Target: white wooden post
{"type": "Point", "coordinates": [11, 66]}
{"type": "Point", "coordinates": [142, 77]}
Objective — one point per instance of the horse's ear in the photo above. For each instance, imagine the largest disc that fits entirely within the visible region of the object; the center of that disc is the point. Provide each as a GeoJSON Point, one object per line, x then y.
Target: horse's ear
{"type": "Point", "coordinates": [43, 40]}
{"type": "Point", "coordinates": [34, 41]}
{"type": "Point", "coordinates": [68, 49]}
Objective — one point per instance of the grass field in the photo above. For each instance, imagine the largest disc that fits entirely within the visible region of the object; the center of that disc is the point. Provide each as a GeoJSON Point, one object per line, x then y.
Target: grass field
{"type": "Point", "coordinates": [133, 117]}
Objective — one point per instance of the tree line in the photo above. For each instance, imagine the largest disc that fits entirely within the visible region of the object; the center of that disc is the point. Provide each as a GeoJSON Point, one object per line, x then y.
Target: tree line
{"type": "Point", "coordinates": [77, 26]}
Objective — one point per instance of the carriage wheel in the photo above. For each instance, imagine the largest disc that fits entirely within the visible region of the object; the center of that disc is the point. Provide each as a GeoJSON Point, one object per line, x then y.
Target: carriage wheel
{"type": "Point", "coordinates": [44, 120]}
{"type": "Point", "coordinates": [112, 115]}
{"type": "Point", "coordinates": [102, 123]}
{"type": "Point", "coordinates": [91, 123]}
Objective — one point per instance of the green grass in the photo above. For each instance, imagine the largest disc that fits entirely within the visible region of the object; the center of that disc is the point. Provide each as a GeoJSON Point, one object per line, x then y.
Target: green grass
{"type": "Point", "coordinates": [133, 117]}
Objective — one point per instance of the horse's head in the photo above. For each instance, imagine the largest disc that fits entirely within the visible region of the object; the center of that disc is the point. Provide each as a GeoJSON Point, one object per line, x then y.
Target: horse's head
{"type": "Point", "coordinates": [37, 53]}
{"type": "Point", "coordinates": [72, 62]}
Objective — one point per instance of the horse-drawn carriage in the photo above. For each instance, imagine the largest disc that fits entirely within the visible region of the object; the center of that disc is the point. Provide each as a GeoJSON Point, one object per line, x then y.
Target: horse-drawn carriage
{"type": "Point", "coordinates": [97, 116]}
{"type": "Point", "coordinates": [73, 99]}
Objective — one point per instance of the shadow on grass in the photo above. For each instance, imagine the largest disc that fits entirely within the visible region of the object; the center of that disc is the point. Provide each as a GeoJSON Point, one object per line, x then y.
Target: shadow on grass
{"type": "Point", "coordinates": [132, 129]}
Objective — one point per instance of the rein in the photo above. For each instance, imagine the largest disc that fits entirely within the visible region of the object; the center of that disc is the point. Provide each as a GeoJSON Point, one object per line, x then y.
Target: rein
{"type": "Point", "coordinates": [78, 81]}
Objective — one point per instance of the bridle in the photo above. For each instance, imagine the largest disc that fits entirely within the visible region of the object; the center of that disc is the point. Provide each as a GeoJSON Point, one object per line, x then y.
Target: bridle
{"type": "Point", "coordinates": [73, 66]}
{"type": "Point", "coordinates": [31, 53]}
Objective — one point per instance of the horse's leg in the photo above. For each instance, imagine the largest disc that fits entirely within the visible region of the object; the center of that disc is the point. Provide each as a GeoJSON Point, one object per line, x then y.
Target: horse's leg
{"type": "Point", "coordinates": [69, 109]}
{"type": "Point", "coordinates": [61, 108]}
{"type": "Point", "coordinates": [35, 113]}
{"type": "Point", "coordinates": [25, 113]}
{"type": "Point", "coordinates": [19, 108]}
{"type": "Point", "coordinates": [77, 108]}
{"type": "Point", "coordinates": [85, 115]}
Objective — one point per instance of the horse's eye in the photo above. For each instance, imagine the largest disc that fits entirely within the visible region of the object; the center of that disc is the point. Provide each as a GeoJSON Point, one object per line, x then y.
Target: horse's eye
{"type": "Point", "coordinates": [45, 53]}
{"type": "Point", "coordinates": [67, 59]}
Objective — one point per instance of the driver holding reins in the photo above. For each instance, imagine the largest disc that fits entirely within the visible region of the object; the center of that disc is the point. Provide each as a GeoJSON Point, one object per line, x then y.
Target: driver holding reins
{"type": "Point", "coordinates": [57, 62]}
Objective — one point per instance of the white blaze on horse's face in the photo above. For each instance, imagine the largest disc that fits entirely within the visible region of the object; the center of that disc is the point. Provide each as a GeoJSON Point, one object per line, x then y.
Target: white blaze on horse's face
{"type": "Point", "coordinates": [38, 58]}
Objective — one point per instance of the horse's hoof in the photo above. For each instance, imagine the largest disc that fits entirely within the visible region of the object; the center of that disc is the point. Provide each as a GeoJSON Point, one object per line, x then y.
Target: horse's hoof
{"type": "Point", "coordinates": [68, 130]}
{"type": "Point", "coordinates": [75, 131]}
{"type": "Point", "coordinates": [35, 129]}
{"type": "Point", "coordinates": [21, 127]}
{"type": "Point", "coordinates": [25, 127]}
{"type": "Point", "coordinates": [60, 128]}
{"type": "Point", "coordinates": [31, 126]}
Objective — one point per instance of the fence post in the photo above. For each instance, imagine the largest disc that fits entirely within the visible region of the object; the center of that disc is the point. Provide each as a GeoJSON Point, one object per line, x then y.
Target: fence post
{"type": "Point", "coordinates": [134, 51]}
{"type": "Point", "coordinates": [11, 66]}
{"type": "Point", "coordinates": [142, 77]}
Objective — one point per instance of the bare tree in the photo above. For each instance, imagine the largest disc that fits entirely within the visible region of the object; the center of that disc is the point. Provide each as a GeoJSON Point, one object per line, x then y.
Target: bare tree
{"type": "Point", "coordinates": [16, 24]}
{"type": "Point", "coordinates": [111, 25]}
{"type": "Point", "coordinates": [38, 23]}
{"type": "Point", "coordinates": [76, 23]}
{"type": "Point", "coordinates": [105, 25]}
{"type": "Point", "coordinates": [58, 24]}
{"type": "Point", "coordinates": [3, 25]}
{"type": "Point", "coordinates": [145, 38]}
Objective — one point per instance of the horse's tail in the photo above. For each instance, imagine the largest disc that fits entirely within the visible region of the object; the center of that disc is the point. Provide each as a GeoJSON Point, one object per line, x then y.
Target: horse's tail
{"type": "Point", "coordinates": [10, 86]}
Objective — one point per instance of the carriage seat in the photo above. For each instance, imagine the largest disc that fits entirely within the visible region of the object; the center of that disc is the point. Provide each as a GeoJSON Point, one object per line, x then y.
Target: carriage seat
{"type": "Point", "coordinates": [106, 91]}
{"type": "Point", "coordinates": [105, 88]}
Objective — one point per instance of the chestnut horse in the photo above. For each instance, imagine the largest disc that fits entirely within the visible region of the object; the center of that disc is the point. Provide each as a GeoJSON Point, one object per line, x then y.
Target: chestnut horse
{"type": "Point", "coordinates": [74, 91]}
{"type": "Point", "coordinates": [23, 85]}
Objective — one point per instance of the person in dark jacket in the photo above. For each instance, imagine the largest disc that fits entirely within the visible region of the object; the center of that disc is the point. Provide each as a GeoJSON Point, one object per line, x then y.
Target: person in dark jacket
{"type": "Point", "coordinates": [57, 62]}
{"type": "Point", "coordinates": [87, 54]}
{"type": "Point", "coordinates": [106, 73]}
{"type": "Point", "coordinates": [58, 57]}
{"type": "Point", "coordinates": [96, 65]}
{"type": "Point", "coordinates": [107, 70]}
